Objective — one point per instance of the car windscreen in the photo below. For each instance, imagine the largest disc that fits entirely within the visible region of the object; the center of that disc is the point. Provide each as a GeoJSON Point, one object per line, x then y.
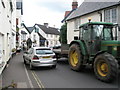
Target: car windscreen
{"type": "Point", "coordinates": [44, 51]}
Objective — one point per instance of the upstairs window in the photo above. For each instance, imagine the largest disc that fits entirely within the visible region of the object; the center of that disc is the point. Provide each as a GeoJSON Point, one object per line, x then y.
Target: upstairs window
{"type": "Point", "coordinates": [11, 6]}
{"type": "Point", "coordinates": [18, 5]}
{"type": "Point", "coordinates": [110, 15]}
{"type": "Point", "coordinates": [3, 3]}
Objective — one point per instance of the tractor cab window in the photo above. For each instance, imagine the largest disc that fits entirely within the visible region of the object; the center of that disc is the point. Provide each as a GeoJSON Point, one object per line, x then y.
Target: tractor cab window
{"type": "Point", "coordinates": [84, 33]}
{"type": "Point", "coordinates": [107, 33]}
{"type": "Point", "coordinates": [102, 32]}
{"type": "Point", "coordinates": [96, 32]}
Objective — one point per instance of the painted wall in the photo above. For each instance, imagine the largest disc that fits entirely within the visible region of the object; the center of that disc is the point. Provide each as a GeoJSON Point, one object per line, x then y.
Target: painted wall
{"type": "Point", "coordinates": [7, 26]}
{"type": "Point", "coordinates": [52, 40]}
{"type": "Point", "coordinates": [35, 37]}
{"type": "Point", "coordinates": [70, 31]}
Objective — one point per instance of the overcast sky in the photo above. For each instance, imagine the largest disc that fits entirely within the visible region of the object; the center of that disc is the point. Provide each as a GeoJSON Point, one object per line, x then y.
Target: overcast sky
{"type": "Point", "coordinates": [46, 11]}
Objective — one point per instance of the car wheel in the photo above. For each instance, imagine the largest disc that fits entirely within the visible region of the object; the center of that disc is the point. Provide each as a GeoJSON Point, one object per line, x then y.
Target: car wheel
{"type": "Point", "coordinates": [31, 66]}
{"type": "Point", "coordinates": [54, 66]}
{"type": "Point", "coordinates": [25, 62]}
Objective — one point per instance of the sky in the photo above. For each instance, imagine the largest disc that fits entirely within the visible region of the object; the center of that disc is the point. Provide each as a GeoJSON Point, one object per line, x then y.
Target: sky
{"type": "Point", "coordinates": [46, 11]}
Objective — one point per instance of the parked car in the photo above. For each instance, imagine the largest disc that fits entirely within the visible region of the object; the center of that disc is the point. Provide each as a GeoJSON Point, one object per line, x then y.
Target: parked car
{"type": "Point", "coordinates": [40, 56]}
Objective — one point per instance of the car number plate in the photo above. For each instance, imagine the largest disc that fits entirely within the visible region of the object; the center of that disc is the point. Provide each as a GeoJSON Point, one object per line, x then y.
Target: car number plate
{"type": "Point", "coordinates": [47, 57]}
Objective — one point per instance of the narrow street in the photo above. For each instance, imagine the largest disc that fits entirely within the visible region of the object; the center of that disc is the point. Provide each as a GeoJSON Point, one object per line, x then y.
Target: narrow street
{"type": "Point", "coordinates": [61, 77]}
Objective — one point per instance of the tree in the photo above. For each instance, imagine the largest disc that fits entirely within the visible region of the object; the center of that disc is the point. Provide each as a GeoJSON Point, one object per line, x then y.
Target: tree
{"type": "Point", "coordinates": [63, 34]}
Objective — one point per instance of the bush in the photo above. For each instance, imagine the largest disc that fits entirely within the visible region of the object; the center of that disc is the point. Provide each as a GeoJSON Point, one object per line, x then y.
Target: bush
{"type": "Point", "coordinates": [13, 50]}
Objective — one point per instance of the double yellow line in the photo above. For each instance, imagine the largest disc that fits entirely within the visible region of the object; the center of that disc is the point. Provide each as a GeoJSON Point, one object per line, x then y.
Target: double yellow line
{"type": "Point", "coordinates": [38, 80]}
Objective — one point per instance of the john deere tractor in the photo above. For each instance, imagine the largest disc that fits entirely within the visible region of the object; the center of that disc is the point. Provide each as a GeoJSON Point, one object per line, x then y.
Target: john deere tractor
{"type": "Point", "coordinates": [98, 46]}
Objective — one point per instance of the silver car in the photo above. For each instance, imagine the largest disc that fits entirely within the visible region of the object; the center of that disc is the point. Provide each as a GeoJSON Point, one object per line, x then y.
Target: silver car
{"type": "Point", "coordinates": [40, 56]}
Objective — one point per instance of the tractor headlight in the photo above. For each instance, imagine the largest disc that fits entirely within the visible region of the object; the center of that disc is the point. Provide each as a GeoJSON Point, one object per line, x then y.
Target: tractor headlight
{"type": "Point", "coordinates": [115, 48]}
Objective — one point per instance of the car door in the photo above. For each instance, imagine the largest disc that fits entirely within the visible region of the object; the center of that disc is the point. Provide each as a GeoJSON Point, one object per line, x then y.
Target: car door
{"type": "Point", "coordinates": [30, 53]}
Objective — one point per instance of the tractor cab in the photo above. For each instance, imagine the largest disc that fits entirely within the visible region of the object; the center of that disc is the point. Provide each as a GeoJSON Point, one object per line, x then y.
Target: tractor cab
{"type": "Point", "coordinates": [100, 36]}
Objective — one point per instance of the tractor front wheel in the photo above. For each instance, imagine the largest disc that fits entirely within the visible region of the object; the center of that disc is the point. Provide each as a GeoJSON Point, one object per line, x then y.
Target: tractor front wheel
{"type": "Point", "coordinates": [105, 67]}
{"type": "Point", "coordinates": [75, 57]}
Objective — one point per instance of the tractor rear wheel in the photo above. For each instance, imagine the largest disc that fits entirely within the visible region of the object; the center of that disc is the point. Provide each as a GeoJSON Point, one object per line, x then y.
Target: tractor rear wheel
{"type": "Point", "coordinates": [75, 57]}
{"type": "Point", "coordinates": [105, 67]}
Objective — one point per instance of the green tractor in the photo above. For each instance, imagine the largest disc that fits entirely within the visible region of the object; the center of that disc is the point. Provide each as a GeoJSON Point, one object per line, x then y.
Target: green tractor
{"type": "Point", "coordinates": [97, 46]}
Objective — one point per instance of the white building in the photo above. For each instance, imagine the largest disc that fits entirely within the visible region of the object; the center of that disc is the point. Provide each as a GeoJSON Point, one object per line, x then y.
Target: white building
{"type": "Point", "coordinates": [48, 36]}
{"type": "Point", "coordinates": [7, 30]}
{"type": "Point", "coordinates": [97, 11]}
{"type": "Point", "coordinates": [19, 13]}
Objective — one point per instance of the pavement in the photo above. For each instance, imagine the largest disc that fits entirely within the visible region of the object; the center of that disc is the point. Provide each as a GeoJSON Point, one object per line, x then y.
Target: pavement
{"type": "Point", "coordinates": [15, 73]}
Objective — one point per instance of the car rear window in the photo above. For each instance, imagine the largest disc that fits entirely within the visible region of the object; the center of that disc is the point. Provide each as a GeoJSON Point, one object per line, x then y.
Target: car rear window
{"type": "Point", "coordinates": [44, 51]}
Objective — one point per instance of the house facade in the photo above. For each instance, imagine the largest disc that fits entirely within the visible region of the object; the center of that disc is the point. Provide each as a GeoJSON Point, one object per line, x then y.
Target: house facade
{"type": "Point", "coordinates": [35, 38]}
{"type": "Point", "coordinates": [7, 30]}
{"type": "Point", "coordinates": [48, 36]}
{"type": "Point", "coordinates": [25, 33]}
{"type": "Point", "coordinates": [19, 13]}
{"type": "Point", "coordinates": [97, 11]}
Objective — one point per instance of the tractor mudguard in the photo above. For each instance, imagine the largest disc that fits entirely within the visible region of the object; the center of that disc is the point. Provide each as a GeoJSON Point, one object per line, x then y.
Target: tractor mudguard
{"type": "Point", "coordinates": [82, 46]}
{"type": "Point", "coordinates": [98, 53]}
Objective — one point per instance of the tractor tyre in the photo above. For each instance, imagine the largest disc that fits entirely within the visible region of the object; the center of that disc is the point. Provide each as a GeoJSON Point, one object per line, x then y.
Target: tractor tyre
{"type": "Point", "coordinates": [105, 67]}
{"type": "Point", "coordinates": [75, 58]}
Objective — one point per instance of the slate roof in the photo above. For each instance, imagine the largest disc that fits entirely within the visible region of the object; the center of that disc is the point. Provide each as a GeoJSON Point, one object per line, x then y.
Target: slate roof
{"type": "Point", "coordinates": [49, 30]}
{"type": "Point", "coordinates": [89, 7]}
{"type": "Point", "coordinates": [30, 29]}
{"type": "Point", "coordinates": [23, 32]}
{"type": "Point", "coordinates": [41, 37]}
{"type": "Point", "coordinates": [68, 14]}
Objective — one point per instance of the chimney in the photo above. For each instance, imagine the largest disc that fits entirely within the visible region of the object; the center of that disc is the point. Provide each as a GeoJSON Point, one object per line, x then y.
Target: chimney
{"type": "Point", "coordinates": [46, 24]}
{"type": "Point", "coordinates": [74, 4]}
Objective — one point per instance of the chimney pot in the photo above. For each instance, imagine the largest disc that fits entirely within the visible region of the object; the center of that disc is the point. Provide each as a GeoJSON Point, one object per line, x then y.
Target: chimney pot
{"type": "Point", "coordinates": [46, 24]}
{"type": "Point", "coordinates": [74, 4]}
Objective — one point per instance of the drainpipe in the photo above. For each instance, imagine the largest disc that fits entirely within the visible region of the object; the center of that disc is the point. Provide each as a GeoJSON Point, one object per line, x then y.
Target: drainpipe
{"type": "Point", "coordinates": [99, 12]}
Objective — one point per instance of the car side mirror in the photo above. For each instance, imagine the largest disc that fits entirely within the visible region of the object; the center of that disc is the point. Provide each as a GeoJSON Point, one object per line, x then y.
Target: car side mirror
{"type": "Point", "coordinates": [86, 27]}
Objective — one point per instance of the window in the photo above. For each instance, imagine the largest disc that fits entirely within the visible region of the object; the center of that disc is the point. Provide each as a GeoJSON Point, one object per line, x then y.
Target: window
{"type": "Point", "coordinates": [34, 38]}
{"type": "Point", "coordinates": [114, 15]}
{"type": "Point", "coordinates": [56, 42]}
{"type": "Point", "coordinates": [47, 35]}
{"type": "Point", "coordinates": [3, 3]}
{"type": "Point", "coordinates": [11, 6]}
{"type": "Point", "coordinates": [51, 36]}
{"type": "Point", "coordinates": [56, 36]}
{"type": "Point", "coordinates": [18, 5]}
{"type": "Point", "coordinates": [17, 21]}
{"type": "Point", "coordinates": [75, 38]}
{"type": "Point", "coordinates": [51, 42]}
{"type": "Point", "coordinates": [110, 15]}
{"type": "Point", "coordinates": [44, 51]}
{"type": "Point", "coordinates": [36, 30]}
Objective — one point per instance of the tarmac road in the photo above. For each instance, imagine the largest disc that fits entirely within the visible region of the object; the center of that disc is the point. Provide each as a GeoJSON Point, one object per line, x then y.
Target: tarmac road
{"type": "Point", "coordinates": [44, 77]}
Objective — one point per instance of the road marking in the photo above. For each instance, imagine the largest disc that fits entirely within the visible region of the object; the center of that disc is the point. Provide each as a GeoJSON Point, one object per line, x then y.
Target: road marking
{"type": "Point", "coordinates": [37, 80]}
{"type": "Point", "coordinates": [30, 82]}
